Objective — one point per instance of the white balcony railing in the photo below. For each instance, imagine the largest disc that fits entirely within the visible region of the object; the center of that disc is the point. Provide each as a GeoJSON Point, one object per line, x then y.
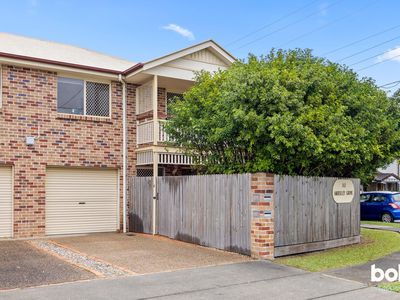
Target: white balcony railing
{"type": "Point", "coordinates": [162, 135]}
{"type": "Point", "coordinates": [165, 158]}
{"type": "Point", "coordinates": [145, 132]}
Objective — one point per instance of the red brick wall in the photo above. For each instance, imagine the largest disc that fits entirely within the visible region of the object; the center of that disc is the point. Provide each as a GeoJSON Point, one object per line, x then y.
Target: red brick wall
{"type": "Point", "coordinates": [162, 103]}
{"type": "Point", "coordinates": [131, 123]}
{"type": "Point", "coordinates": [30, 109]}
{"type": "Point", "coordinates": [262, 215]}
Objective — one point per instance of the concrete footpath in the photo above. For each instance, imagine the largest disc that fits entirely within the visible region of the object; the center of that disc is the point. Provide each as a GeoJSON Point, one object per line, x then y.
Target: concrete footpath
{"type": "Point", "coordinates": [381, 227]}
{"type": "Point", "coordinates": [252, 280]}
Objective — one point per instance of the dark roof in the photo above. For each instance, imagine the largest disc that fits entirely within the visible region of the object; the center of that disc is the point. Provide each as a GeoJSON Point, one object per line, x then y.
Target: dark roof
{"type": "Point", "coordinates": [379, 177]}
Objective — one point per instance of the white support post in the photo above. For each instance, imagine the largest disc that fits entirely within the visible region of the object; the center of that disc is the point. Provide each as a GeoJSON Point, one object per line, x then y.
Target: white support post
{"type": "Point", "coordinates": [155, 175]}
{"type": "Point", "coordinates": [155, 154]}
{"type": "Point", "coordinates": [155, 110]}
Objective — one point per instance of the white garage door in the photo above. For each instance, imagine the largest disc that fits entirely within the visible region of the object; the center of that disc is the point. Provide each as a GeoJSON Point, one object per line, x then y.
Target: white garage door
{"type": "Point", "coordinates": [81, 201]}
{"type": "Point", "coordinates": [6, 203]}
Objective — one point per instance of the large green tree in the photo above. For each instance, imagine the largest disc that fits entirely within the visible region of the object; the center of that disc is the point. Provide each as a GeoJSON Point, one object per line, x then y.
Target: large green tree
{"type": "Point", "coordinates": [287, 113]}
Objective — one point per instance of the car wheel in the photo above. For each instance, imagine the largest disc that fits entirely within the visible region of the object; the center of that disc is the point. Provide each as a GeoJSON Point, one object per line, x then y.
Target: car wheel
{"type": "Point", "coordinates": [387, 218]}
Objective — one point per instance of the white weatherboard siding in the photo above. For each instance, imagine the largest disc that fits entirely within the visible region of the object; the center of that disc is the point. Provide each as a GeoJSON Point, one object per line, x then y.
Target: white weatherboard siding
{"type": "Point", "coordinates": [6, 203]}
{"type": "Point", "coordinates": [81, 201]}
{"type": "Point", "coordinates": [185, 68]}
{"type": "Point", "coordinates": [206, 56]}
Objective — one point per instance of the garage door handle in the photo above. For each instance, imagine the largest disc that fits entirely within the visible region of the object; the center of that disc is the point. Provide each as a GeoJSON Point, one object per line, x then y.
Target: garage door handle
{"type": "Point", "coordinates": [81, 202]}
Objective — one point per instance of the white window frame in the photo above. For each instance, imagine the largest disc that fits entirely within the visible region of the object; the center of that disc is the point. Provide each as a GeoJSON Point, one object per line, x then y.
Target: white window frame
{"type": "Point", "coordinates": [85, 80]}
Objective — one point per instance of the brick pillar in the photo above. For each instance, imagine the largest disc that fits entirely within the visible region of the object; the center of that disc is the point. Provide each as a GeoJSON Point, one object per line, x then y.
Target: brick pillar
{"type": "Point", "coordinates": [262, 216]}
{"type": "Point", "coordinates": [29, 198]}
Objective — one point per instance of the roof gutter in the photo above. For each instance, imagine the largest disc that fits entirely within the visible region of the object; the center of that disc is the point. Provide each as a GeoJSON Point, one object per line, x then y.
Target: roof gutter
{"type": "Point", "coordinates": [133, 69]}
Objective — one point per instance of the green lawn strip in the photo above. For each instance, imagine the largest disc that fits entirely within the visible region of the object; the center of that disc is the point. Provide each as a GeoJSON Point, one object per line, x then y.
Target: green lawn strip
{"type": "Point", "coordinates": [397, 225]}
{"type": "Point", "coordinates": [393, 287]}
{"type": "Point", "coordinates": [374, 244]}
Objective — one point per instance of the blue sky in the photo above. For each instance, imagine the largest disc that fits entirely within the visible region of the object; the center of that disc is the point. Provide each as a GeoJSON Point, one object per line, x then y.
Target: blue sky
{"type": "Point", "coordinates": [142, 30]}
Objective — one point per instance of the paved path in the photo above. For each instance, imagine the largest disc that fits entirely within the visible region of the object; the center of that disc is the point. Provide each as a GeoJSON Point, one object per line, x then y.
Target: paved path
{"type": "Point", "coordinates": [362, 273]}
{"type": "Point", "coordinates": [380, 227]}
{"type": "Point", "coordinates": [251, 280]}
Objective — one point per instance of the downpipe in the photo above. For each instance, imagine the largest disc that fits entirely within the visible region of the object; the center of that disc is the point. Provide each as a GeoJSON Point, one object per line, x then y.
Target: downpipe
{"type": "Point", "coordinates": [124, 154]}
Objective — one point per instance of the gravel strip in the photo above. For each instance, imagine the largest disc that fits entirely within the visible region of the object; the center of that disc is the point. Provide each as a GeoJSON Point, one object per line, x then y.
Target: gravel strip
{"type": "Point", "coordinates": [84, 261]}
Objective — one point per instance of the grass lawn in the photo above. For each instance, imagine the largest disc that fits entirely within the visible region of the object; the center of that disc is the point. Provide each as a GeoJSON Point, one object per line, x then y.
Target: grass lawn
{"type": "Point", "coordinates": [393, 287]}
{"type": "Point", "coordinates": [397, 225]}
{"type": "Point", "coordinates": [374, 244]}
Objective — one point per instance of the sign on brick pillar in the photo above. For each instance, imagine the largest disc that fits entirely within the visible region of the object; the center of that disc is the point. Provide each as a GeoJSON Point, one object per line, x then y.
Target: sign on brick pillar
{"type": "Point", "coordinates": [262, 216]}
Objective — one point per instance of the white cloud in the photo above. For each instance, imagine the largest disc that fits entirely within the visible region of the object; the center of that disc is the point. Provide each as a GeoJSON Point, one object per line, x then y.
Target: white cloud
{"type": "Point", "coordinates": [391, 54]}
{"type": "Point", "coordinates": [180, 30]}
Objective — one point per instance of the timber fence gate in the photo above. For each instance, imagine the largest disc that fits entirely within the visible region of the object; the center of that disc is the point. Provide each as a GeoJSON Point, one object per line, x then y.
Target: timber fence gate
{"type": "Point", "coordinates": [140, 204]}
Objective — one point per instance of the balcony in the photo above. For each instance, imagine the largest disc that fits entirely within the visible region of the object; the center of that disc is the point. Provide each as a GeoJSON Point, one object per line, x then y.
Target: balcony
{"type": "Point", "coordinates": [147, 157]}
{"type": "Point", "coordinates": [145, 132]}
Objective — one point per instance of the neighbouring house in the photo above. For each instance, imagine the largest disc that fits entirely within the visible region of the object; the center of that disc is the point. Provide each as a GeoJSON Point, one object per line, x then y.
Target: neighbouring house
{"type": "Point", "coordinates": [386, 178]}
{"type": "Point", "coordinates": [76, 123]}
{"type": "Point", "coordinates": [385, 182]}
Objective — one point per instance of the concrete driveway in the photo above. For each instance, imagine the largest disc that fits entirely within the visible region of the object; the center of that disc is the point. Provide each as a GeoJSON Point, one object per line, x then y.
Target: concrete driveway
{"type": "Point", "coordinates": [248, 280]}
{"type": "Point", "coordinates": [22, 265]}
{"type": "Point", "coordinates": [66, 259]}
{"type": "Point", "coordinates": [142, 254]}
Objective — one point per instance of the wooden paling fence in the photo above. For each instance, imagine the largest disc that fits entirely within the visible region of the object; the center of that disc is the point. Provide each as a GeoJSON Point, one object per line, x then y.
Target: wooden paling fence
{"type": "Point", "coordinates": [216, 211]}
{"type": "Point", "coordinates": [306, 214]}
{"type": "Point", "coordinates": [209, 210]}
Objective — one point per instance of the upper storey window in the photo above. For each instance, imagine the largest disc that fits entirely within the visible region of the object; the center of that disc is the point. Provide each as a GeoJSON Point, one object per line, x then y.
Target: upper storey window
{"type": "Point", "coordinates": [81, 97]}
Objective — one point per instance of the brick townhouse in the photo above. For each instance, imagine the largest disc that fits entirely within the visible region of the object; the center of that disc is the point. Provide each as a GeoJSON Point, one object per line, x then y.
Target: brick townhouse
{"type": "Point", "coordinates": [75, 124]}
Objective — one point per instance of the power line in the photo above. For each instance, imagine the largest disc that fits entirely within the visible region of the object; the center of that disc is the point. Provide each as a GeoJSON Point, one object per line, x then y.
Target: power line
{"type": "Point", "coordinates": [382, 61]}
{"type": "Point", "coordinates": [368, 58]}
{"type": "Point", "coordinates": [360, 40]}
{"type": "Point", "coordinates": [328, 24]}
{"type": "Point", "coordinates": [389, 89]}
{"type": "Point", "coordinates": [286, 26]}
{"type": "Point", "coordinates": [272, 23]}
{"type": "Point", "coordinates": [369, 48]}
{"type": "Point", "coordinates": [396, 83]}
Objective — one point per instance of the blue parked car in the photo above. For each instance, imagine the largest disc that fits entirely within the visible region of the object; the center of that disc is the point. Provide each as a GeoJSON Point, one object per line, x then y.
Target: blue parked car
{"type": "Point", "coordinates": [382, 206]}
